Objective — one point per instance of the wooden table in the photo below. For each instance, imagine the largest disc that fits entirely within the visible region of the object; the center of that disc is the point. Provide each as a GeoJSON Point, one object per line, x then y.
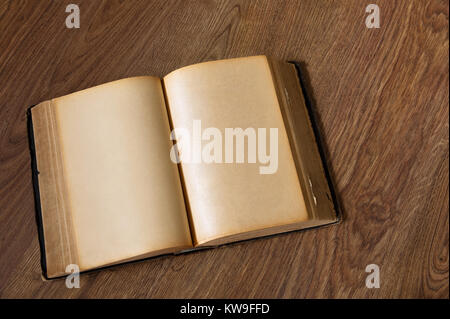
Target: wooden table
{"type": "Point", "coordinates": [381, 97]}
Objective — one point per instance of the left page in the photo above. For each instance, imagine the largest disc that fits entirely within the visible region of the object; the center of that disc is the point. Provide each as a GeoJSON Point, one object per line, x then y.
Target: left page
{"type": "Point", "coordinates": [108, 190]}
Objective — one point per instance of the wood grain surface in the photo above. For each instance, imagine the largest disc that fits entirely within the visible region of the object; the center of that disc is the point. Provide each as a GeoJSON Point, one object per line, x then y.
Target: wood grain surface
{"type": "Point", "coordinates": [381, 98]}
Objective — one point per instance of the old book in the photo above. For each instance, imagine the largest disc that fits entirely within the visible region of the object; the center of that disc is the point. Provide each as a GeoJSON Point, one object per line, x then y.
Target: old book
{"type": "Point", "coordinates": [210, 154]}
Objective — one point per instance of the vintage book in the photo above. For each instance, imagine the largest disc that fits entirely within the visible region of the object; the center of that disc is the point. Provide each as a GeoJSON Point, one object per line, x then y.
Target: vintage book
{"type": "Point", "coordinates": [109, 186]}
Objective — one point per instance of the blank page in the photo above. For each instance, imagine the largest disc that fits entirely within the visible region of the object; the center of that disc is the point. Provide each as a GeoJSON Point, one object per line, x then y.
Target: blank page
{"type": "Point", "coordinates": [234, 199]}
{"type": "Point", "coordinates": [122, 194]}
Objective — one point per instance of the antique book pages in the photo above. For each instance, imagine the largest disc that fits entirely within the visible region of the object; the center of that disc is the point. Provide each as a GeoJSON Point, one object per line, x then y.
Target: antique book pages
{"type": "Point", "coordinates": [109, 192]}
{"type": "Point", "coordinates": [110, 187]}
{"type": "Point", "coordinates": [234, 201]}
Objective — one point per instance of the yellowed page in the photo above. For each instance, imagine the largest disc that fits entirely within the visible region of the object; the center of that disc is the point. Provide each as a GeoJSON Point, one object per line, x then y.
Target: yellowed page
{"type": "Point", "coordinates": [229, 199]}
{"type": "Point", "coordinates": [125, 194]}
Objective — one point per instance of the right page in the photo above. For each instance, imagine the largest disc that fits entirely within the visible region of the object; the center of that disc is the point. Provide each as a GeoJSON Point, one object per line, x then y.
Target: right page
{"type": "Point", "coordinates": [239, 173]}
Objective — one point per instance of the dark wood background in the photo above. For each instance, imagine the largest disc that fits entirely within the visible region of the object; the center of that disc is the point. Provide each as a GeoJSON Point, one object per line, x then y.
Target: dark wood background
{"type": "Point", "coordinates": [381, 97]}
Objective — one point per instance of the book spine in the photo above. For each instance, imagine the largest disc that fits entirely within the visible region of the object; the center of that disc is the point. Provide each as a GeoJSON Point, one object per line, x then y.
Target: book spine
{"type": "Point", "coordinates": [53, 209]}
{"type": "Point", "coordinates": [37, 197]}
{"type": "Point", "coordinates": [319, 141]}
{"type": "Point", "coordinates": [318, 191]}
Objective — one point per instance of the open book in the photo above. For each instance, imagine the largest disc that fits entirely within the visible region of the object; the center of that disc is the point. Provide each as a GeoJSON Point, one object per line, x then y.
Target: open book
{"type": "Point", "coordinates": [113, 184]}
